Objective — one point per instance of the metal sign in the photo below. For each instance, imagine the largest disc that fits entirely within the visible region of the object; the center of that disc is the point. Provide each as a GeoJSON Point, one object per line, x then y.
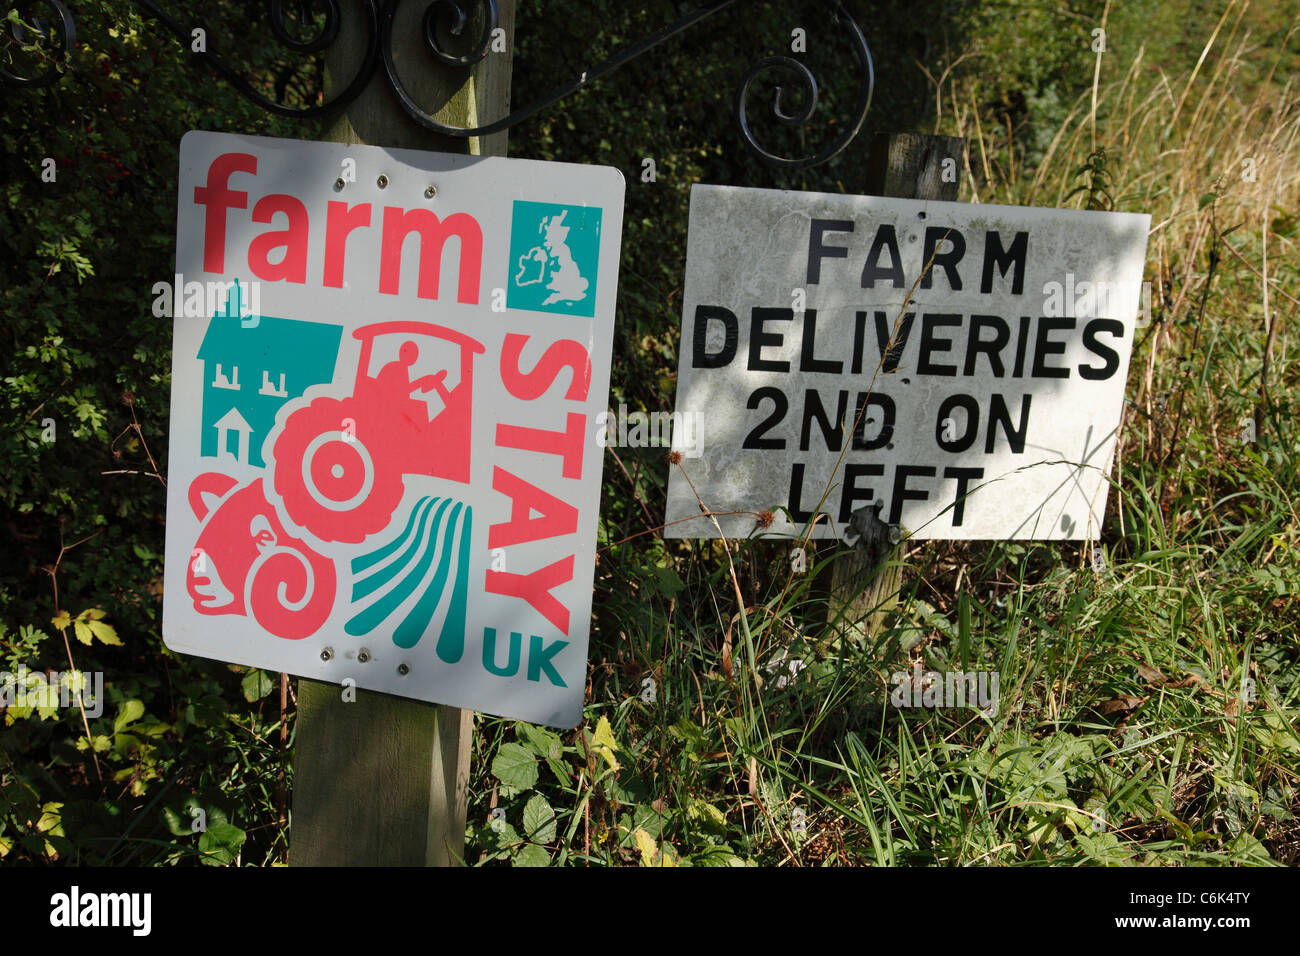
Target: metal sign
{"type": "Point", "coordinates": [828, 370]}
{"type": "Point", "coordinates": [383, 465]}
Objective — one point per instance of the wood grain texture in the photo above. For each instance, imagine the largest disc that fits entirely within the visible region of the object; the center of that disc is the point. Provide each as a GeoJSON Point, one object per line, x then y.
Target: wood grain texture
{"type": "Point", "coordinates": [382, 781]}
{"type": "Point", "coordinates": [910, 166]}
{"type": "Point", "coordinates": [901, 166]}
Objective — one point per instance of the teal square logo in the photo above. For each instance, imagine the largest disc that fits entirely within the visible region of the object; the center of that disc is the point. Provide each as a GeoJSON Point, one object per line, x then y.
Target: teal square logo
{"type": "Point", "coordinates": [554, 254]}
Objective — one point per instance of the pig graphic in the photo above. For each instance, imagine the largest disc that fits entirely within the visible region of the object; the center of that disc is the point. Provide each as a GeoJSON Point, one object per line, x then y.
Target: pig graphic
{"type": "Point", "coordinates": [245, 563]}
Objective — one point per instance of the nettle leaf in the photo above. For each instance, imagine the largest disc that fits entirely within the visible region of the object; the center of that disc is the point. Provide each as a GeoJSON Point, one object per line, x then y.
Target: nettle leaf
{"type": "Point", "coordinates": [51, 821]}
{"type": "Point", "coordinates": [256, 685]}
{"type": "Point", "coordinates": [515, 766]}
{"type": "Point", "coordinates": [666, 581]}
{"type": "Point", "coordinates": [220, 843]}
{"type": "Point", "coordinates": [539, 820]}
{"type": "Point", "coordinates": [61, 620]}
{"type": "Point", "coordinates": [540, 740]}
{"type": "Point", "coordinates": [503, 837]}
{"type": "Point", "coordinates": [717, 856]}
{"type": "Point", "coordinates": [530, 854]}
{"type": "Point", "coordinates": [83, 632]}
{"type": "Point", "coordinates": [626, 787]}
{"type": "Point", "coordinates": [706, 816]}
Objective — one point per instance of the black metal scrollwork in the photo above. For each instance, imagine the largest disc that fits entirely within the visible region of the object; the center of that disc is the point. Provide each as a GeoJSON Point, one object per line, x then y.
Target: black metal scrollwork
{"type": "Point", "coordinates": [450, 15]}
{"type": "Point", "coordinates": [47, 48]}
{"type": "Point", "coordinates": [445, 24]}
{"type": "Point", "coordinates": [808, 82]}
{"type": "Point", "coordinates": [328, 34]}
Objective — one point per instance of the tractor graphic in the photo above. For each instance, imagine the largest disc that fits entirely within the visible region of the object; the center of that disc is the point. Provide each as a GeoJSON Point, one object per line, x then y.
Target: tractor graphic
{"type": "Point", "coordinates": [340, 463]}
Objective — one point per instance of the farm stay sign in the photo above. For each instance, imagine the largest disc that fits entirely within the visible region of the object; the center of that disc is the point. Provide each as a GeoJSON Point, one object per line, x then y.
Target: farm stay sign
{"type": "Point", "coordinates": [383, 468]}
{"type": "Point", "coordinates": [978, 398]}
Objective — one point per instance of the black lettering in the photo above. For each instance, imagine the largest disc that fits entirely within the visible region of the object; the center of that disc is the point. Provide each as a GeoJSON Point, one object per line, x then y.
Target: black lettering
{"type": "Point", "coordinates": [859, 340]}
{"type": "Point", "coordinates": [818, 250]}
{"type": "Point", "coordinates": [931, 343]}
{"type": "Point", "coordinates": [795, 499]}
{"type": "Point", "coordinates": [759, 340]}
{"type": "Point", "coordinates": [947, 260]}
{"type": "Point", "coordinates": [1043, 347]}
{"type": "Point", "coordinates": [885, 239]}
{"type": "Point", "coordinates": [887, 411]}
{"type": "Point", "coordinates": [963, 476]}
{"type": "Point", "coordinates": [851, 494]}
{"type": "Point", "coordinates": [808, 361]}
{"type": "Point", "coordinates": [1108, 354]}
{"type": "Point", "coordinates": [992, 349]}
{"type": "Point", "coordinates": [969, 433]}
{"type": "Point", "coordinates": [902, 493]}
{"type": "Point", "coordinates": [701, 356]}
{"type": "Point", "coordinates": [1004, 259]}
{"type": "Point", "coordinates": [780, 405]}
{"type": "Point", "coordinates": [1022, 341]}
{"type": "Point", "coordinates": [832, 432]}
{"type": "Point", "coordinates": [883, 333]}
{"type": "Point", "coordinates": [999, 414]}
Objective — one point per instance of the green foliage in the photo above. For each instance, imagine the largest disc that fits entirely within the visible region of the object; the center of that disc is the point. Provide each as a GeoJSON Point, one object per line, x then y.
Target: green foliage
{"type": "Point", "coordinates": [589, 808]}
{"type": "Point", "coordinates": [1124, 735]}
{"type": "Point", "coordinates": [1096, 179]}
{"type": "Point", "coordinates": [86, 376]}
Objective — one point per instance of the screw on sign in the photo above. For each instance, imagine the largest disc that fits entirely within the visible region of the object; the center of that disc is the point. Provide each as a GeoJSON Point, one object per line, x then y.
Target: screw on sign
{"type": "Point", "coordinates": [380, 468]}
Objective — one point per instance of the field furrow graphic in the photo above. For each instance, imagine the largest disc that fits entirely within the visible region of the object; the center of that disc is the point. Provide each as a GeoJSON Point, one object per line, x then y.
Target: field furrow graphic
{"type": "Point", "coordinates": [420, 575]}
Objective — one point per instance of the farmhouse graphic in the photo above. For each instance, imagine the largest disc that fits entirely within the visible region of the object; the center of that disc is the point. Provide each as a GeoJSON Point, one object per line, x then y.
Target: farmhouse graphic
{"type": "Point", "coordinates": [250, 370]}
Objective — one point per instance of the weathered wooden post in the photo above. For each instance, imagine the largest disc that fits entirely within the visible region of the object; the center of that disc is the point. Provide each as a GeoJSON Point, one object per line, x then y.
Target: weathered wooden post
{"type": "Point", "coordinates": [901, 166]}
{"type": "Point", "coordinates": [381, 780]}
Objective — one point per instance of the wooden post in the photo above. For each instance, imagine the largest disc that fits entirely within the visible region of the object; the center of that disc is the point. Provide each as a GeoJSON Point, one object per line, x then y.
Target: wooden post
{"type": "Point", "coordinates": [381, 781]}
{"type": "Point", "coordinates": [902, 166]}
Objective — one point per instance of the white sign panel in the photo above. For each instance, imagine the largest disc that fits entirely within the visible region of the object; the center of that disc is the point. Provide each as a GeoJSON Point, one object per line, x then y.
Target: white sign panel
{"type": "Point", "coordinates": [383, 460]}
{"type": "Point", "coordinates": [820, 362]}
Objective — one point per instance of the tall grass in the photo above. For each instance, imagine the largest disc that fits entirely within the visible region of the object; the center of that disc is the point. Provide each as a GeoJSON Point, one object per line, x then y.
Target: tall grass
{"type": "Point", "coordinates": [1149, 704]}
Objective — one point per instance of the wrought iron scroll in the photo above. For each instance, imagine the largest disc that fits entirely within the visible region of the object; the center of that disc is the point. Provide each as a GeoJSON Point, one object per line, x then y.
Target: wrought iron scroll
{"type": "Point", "coordinates": [44, 42]}
{"type": "Point", "coordinates": [328, 34]}
{"type": "Point", "coordinates": [445, 23]}
{"type": "Point", "coordinates": [455, 9]}
{"type": "Point", "coordinates": [584, 79]}
{"type": "Point", "coordinates": [866, 85]}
